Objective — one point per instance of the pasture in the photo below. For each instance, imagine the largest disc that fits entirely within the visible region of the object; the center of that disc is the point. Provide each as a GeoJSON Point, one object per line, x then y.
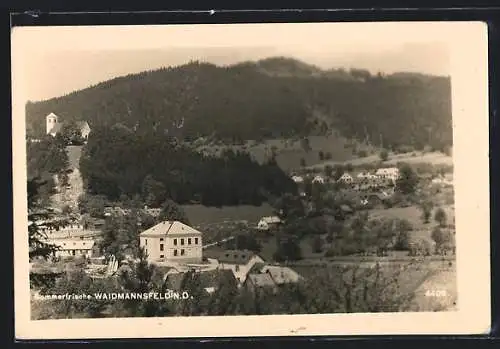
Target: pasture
{"type": "Point", "coordinates": [413, 214]}
{"type": "Point", "coordinates": [290, 152]}
{"type": "Point", "coordinates": [433, 158]}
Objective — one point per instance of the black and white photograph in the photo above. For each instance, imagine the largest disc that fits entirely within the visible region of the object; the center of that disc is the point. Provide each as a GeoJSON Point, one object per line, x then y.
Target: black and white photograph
{"type": "Point", "coordinates": [244, 176]}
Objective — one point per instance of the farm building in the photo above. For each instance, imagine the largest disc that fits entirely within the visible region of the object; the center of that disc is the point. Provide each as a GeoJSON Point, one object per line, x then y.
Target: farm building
{"type": "Point", "coordinates": [240, 262]}
{"type": "Point", "coordinates": [72, 248]}
{"type": "Point", "coordinates": [267, 223]}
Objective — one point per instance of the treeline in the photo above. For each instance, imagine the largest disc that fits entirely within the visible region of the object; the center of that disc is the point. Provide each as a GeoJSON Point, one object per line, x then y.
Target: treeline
{"type": "Point", "coordinates": [264, 100]}
{"type": "Point", "coordinates": [117, 161]}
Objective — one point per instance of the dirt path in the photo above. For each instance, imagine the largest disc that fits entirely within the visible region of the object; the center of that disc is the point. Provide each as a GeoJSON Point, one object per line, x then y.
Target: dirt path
{"type": "Point", "coordinates": [69, 195]}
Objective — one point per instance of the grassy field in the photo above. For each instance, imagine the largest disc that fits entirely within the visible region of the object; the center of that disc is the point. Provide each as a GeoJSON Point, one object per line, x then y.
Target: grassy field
{"type": "Point", "coordinates": [199, 214]}
{"type": "Point", "coordinates": [290, 152]}
{"type": "Point", "coordinates": [413, 214]}
{"type": "Point", "coordinates": [434, 158]}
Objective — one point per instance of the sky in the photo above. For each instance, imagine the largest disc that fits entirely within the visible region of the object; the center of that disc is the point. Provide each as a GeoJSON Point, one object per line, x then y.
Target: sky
{"type": "Point", "coordinates": [54, 61]}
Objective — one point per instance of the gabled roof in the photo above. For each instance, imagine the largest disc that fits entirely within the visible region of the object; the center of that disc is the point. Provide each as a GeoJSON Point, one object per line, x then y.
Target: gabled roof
{"type": "Point", "coordinates": [235, 256]}
{"type": "Point", "coordinates": [281, 275]}
{"type": "Point", "coordinates": [261, 280]}
{"type": "Point", "coordinates": [170, 228]}
{"type": "Point", "coordinates": [82, 124]}
{"type": "Point", "coordinates": [271, 219]}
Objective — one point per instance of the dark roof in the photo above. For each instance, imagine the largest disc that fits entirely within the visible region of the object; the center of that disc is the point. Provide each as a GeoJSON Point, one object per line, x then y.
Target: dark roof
{"type": "Point", "coordinates": [260, 280]}
{"type": "Point", "coordinates": [235, 256]}
{"type": "Point", "coordinates": [256, 268]}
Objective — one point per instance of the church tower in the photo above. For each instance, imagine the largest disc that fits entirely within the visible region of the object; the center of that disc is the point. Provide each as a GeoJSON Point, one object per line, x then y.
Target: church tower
{"type": "Point", "coordinates": [51, 121]}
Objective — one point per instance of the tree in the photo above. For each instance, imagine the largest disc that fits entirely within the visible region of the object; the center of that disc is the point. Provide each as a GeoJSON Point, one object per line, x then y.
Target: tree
{"type": "Point", "coordinates": [288, 250]}
{"type": "Point", "coordinates": [140, 278]}
{"type": "Point", "coordinates": [338, 172]}
{"type": "Point", "coordinates": [71, 133]}
{"type": "Point", "coordinates": [328, 171]}
{"type": "Point", "coordinates": [153, 191]}
{"type": "Point", "coordinates": [317, 244]}
{"type": "Point", "coordinates": [426, 208]}
{"type": "Point", "coordinates": [170, 211]}
{"type": "Point", "coordinates": [444, 240]}
{"type": "Point", "coordinates": [40, 219]}
{"type": "Point", "coordinates": [303, 162]}
{"type": "Point", "coordinates": [289, 207]}
{"type": "Point", "coordinates": [407, 181]}
{"type": "Point", "coordinates": [384, 155]}
{"type": "Point", "coordinates": [440, 217]}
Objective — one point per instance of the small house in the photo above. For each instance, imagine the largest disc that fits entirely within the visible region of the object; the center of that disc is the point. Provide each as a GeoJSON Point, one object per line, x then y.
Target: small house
{"type": "Point", "coordinates": [240, 262]}
{"type": "Point", "coordinates": [318, 179]}
{"type": "Point", "coordinates": [346, 178]}
{"type": "Point", "coordinates": [267, 223]}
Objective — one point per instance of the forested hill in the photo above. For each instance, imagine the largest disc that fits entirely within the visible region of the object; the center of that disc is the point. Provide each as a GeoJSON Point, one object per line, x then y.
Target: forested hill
{"type": "Point", "coordinates": [272, 98]}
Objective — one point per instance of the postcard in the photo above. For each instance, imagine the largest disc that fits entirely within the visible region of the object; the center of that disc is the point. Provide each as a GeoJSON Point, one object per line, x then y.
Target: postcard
{"type": "Point", "coordinates": [229, 180]}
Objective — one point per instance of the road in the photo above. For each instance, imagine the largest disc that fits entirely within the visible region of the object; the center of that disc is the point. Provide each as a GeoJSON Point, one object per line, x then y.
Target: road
{"type": "Point", "coordinates": [218, 242]}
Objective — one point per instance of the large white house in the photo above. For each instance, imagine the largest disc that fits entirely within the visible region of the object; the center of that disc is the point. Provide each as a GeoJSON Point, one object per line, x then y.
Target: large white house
{"type": "Point", "coordinates": [172, 241]}
{"type": "Point", "coordinates": [54, 126]}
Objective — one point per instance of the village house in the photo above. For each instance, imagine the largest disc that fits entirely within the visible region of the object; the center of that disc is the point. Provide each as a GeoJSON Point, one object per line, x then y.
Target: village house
{"type": "Point", "coordinates": [346, 178]}
{"type": "Point", "coordinates": [318, 179]}
{"type": "Point", "coordinates": [391, 173]}
{"type": "Point", "coordinates": [267, 223]}
{"type": "Point", "coordinates": [154, 212]}
{"type": "Point", "coordinates": [298, 179]}
{"type": "Point", "coordinates": [281, 275]}
{"type": "Point", "coordinates": [172, 241]}
{"type": "Point", "coordinates": [116, 211]}
{"type": "Point", "coordinates": [260, 281]}
{"type": "Point", "coordinates": [240, 262]}
{"type": "Point", "coordinates": [54, 126]}
{"type": "Point", "coordinates": [72, 248]}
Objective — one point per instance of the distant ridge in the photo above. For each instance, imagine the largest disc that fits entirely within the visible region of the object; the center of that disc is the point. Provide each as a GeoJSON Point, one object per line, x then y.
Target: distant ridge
{"type": "Point", "coordinates": [270, 98]}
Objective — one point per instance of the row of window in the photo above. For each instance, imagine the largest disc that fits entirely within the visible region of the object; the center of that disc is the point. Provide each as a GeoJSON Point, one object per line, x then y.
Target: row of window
{"type": "Point", "coordinates": [182, 242]}
{"type": "Point", "coordinates": [176, 252]}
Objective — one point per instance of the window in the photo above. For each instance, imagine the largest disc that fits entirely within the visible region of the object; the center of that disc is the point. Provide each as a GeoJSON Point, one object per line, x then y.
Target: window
{"type": "Point", "coordinates": [196, 241]}
{"type": "Point", "coordinates": [183, 252]}
{"type": "Point", "coordinates": [189, 241]}
{"type": "Point", "coordinates": [161, 247]}
{"type": "Point", "coordinates": [146, 242]}
{"type": "Point", "coordinates": [175, 242]}
{"type": "Point", "coordinates": [237, 268]}
{"type": "Point", "coordinates": [162, 256]}
{"type": "Point", "coordinates": [161, 239]}
{"type": "Point", "coordinates": [182, 241]}
{"type": "Point", "coordinates": [175, 252]}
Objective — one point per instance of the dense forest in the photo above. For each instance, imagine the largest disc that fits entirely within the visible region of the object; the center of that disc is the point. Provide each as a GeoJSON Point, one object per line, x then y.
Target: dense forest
{"type": "Point", "coordinates": [117, 161]}
{"type": "Point", "coordinates": [273, 98]}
